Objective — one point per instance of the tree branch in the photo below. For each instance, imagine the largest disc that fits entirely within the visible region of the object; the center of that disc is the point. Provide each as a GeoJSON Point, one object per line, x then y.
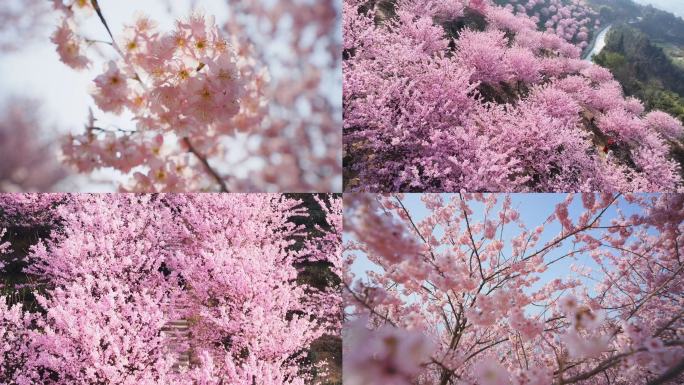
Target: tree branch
{"type": "Point", "coordinates": [670, 374]}
{"type": "Point", "coordinates": [207, 166]}
{"type": "Point", "coordinates": [99, 13]}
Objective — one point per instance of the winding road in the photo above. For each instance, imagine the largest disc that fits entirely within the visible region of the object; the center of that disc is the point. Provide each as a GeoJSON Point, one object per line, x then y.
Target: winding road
{"type": "Point", "coordinates": [598, 43]}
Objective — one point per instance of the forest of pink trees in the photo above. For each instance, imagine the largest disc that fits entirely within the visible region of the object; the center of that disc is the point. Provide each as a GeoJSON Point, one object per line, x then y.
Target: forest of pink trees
{"type": "Point", "coordinates": [117, 274]}
{"type": "Point", "coordinates": [572, 20]}
{"type": "Point", "coordinates": [470, 95]}
{"type": "Point", "coordinates": [457, 290]}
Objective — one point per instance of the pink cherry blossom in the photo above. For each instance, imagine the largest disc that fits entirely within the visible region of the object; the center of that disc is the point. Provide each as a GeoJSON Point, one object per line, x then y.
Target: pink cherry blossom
{"type": "Point", "coordinates": [69, 46]}
{"type": "Point", "coordinates": [387, 355]}
{"type": "Point", "coordinates": [490, 372]}
{"type": "Point", "coordinates": [665, 124]}
{"type": "Point", "coordinates": [207, 87]}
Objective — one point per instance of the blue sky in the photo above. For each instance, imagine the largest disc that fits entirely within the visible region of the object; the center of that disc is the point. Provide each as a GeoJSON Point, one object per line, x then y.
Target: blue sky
{"type": "Point", "coordinates": [534, 209]}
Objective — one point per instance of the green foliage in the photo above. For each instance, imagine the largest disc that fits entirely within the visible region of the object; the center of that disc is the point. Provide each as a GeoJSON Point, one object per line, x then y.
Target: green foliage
{"type": "Point", "coordinates": [657, 24]}
{"type": "Point", "coordinates": [613, 60]}
{"type": "Point", "coordinates": [644, 70]}
{"type": "Point", "coordinates": [661, 26]}
{"type": "Point", "coordinates": [666, 101]}
{"type": "Point", "coordinates": [617, 10]}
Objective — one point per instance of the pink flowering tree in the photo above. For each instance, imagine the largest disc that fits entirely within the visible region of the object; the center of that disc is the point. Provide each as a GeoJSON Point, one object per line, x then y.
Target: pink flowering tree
{"type": "Point", "coordinates": [197, 91]}
{"type": "Point", "coordinates": [466, 95]}
{"type": "Point", "coordinates": [28, 160]}
{"type": "Point", "coordinates": [28, 210]}
{"type": "Point", "coordinates": [305, 110]}
{"type": "Point", "coordinates": [459, 290]}
{"type": "Point", "coordinates": [20, 22]}
{"type": "Point", "coordinates": [573, 20]}
{"type": "Point", "coordinates": [167, 289]}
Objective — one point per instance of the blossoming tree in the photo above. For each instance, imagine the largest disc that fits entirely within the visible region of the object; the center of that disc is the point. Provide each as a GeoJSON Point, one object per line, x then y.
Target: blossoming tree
{"type": "Point", "coordinates": [572, 20]}
{"type": "Point", "coordinates": [195, 93]}
{"type": "Point", "coordinates": [451, 95]}
{"type": "Point", "coordinates": [20, 18]}
{"type": "Point", "coordinates": [120, 273]}
{"type": "Point", "coordinates": [464, 296]}
{"type": "Point", "coordinates": [27, 149]}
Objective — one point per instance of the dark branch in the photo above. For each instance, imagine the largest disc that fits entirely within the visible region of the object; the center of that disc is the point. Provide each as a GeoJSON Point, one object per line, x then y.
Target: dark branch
{"type": "Point", "coordinates": [99, 13]}
{"type": "Point", "coordinates": [671, 374]}
{"type": "Point", "coordinates": [207, 166]}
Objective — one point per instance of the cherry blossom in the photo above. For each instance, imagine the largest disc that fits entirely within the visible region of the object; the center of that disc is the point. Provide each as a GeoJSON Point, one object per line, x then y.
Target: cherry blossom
{"type": "Point", "coordinates": [69, 46]}
{"type": "Point", "coordinates": [28, 154]}
{"type": "Point", "coordinates": [572, 20]}
{"type": "Point", "coordinates": [202, 89]}
{"type": "Point", "coordinates": [387, 355]}
{"type": "Point", "coordinates": [490, 372]}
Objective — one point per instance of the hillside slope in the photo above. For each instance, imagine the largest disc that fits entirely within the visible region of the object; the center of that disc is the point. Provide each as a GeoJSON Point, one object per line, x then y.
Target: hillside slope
{"type": "Point", "coordinates": [452, 95]}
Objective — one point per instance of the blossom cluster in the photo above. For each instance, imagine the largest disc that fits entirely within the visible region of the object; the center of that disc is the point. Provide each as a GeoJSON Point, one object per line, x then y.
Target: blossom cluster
{"type": "Point", "coordinates": [185, 88]}
{"type": "Point", "coordinates": [299, 141]}
{"type": "Point", "coordinates": [617, 320]}
{"type": "Point", "coordinates": [26, 210]}
{"type": "Point", "coordinates": [485, 101]}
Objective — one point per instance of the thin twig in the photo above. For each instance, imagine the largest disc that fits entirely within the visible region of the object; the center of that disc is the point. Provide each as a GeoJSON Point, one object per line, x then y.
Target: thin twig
{"type": "Point", "coordinates": [207, 166]}
{"type": "Point", "coordinates": [99, 13]}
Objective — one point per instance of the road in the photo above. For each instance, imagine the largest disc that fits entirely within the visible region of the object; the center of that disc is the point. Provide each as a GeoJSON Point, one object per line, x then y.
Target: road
{"type": "Point", "coordinates": [598, 43]}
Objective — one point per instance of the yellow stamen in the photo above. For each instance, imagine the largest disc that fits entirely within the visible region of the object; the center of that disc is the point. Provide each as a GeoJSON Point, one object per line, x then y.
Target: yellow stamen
{"type": "Point", "coordinates": [221, 45]}
{"type": "Point", "coordinates": [139, 101]}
